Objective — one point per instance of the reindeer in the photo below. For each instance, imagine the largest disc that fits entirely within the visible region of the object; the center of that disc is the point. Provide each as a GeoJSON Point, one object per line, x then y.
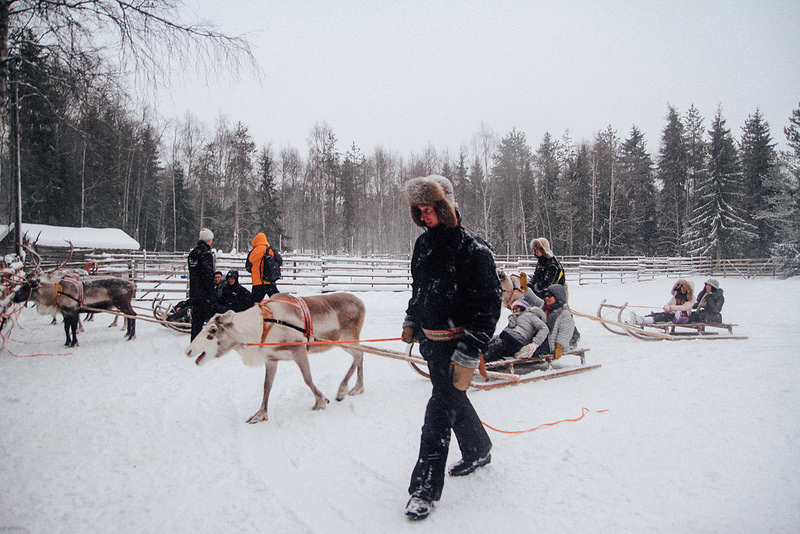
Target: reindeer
{"type": "Point", "coordinates": [73, 295]}
{"type": "Point", "coordinates": [287, 319]}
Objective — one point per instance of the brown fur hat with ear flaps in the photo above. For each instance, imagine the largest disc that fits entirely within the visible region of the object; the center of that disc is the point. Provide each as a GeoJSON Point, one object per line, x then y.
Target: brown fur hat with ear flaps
{"type": "Point", "coordinates": [436, 191]}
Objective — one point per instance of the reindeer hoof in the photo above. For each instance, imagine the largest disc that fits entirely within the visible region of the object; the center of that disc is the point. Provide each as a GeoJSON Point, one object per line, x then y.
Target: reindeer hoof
{"type": "Point", "coordinates": [321, 404]}
{"type": "Point", "coordinates": [258, 417]}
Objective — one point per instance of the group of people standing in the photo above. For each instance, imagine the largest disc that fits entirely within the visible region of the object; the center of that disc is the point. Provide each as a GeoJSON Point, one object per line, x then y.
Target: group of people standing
{"type": "Point", "coordinates": [210, 294]}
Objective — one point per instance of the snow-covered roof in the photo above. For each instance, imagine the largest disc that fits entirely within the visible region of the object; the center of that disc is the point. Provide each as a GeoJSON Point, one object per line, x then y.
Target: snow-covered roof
{"type": "Point", "coordinates": [58, 236]}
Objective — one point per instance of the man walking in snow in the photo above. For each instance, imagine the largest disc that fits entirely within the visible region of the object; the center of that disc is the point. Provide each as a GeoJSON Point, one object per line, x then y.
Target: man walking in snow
{"type": "Point", "coordinates": [202, 290]}
{"type": "Point", "coordinates": [453, 310]}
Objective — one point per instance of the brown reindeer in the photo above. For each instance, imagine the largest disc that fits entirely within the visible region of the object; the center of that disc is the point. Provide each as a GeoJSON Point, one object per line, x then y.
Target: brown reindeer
{"type": "Point", "coordinates": [73, 295]}
{"type": "Point", "coordinates": [287, 319]}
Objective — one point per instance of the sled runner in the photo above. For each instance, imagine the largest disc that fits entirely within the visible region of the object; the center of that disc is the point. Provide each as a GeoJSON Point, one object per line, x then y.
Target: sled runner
{"type": "Point", "coordinates": [162, 311]}
{"type": "Point", "coordinates": [622, 325]}
{"type": "Point", "coordinates": [509, 372]}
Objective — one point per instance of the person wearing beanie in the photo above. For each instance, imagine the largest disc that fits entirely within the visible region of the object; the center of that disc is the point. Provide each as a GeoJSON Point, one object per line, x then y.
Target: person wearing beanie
{"type": "Point", "coordinates": [548, 269]}
{"type": "Point", "coordinates": [526, 328]}
{"type": "Point", "coordinates": [453, 309]}
{"type": "Point", "coordinates": [708, 307]}
{"type": "Point", "coordinates": [264, 265]}
{"type": "Point", "coordinates": [202, 289]}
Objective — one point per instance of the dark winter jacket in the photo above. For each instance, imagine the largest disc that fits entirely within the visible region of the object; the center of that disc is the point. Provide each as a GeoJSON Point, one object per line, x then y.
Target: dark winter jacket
{"type": "Point", "coordinates": [708, 308]}
{"type": "Point", "coordinates": [548, 272]}
{"type": "Point", "coordinates": [234, 296]}
{"type": "Point", "coordinates": [202, 290]}
{"type": "Point", "coordinates": [455, 284]}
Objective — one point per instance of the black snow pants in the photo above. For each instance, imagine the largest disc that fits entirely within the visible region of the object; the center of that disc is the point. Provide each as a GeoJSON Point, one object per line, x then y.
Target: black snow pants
{"type": "Point", "coordinates": [448, 409]}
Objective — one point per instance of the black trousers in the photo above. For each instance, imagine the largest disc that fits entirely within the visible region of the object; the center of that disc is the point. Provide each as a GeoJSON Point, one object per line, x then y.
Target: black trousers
{"type": "Point", "coordinates": [448, 409]}
{"type": "Point", "coordinates": [200, 314]}
{"type": "Point", "coordinates": [263, 290]}
{"type": "Point", "coordinates": [503, 346]}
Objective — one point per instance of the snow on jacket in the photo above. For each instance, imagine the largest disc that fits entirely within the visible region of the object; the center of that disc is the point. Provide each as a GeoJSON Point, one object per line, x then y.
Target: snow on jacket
{"type": "Point", "coordinates": [681, 302]}
{"type": "Point", "coordinates": [256, 257]}
{"type": "Point", "coordinates": [528, 326]}
{"type": "Point", "coordinates": [455, 284]}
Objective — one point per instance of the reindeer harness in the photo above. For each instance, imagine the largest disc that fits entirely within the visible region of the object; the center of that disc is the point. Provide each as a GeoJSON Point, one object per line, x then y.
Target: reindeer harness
{"type": "Point", "coordinates": [75, 282]}
{"type": "Point", "coordinates": [269, 319]}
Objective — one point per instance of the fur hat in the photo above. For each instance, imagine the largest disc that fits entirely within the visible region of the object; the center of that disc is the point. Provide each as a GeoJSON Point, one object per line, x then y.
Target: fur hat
{"type": "Point", "coordinates": [688, 285]}
{"type": "Point", "coordinates": [544, 244]}
{"type": "Point", "coordinates": [521, 302]}
{"type": "Point", "coordinates": [206, 235]}
{"type": "Point", "coordinates": [713, 282]}
{"type": "Point", "coordinates": [436, 191]}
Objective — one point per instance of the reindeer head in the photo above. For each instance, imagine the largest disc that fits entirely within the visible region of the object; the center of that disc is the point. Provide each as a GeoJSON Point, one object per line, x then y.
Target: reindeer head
{"type": "Point", "coordinates": [26, 289]}
{"type": "Point", "coordinates": [214, 339]}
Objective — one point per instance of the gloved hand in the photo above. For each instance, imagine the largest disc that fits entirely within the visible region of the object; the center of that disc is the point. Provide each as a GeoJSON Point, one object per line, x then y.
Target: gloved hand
{"type": "Point", "coordinates": [558, 352]}
{"type": "Point", "coordinates": [526, 351]}
{"type": "Point", "coordinates": [462, 376]}
{"type": "Point", "coordinates": [523, 281]}
{"type": "Point", "coordinates": [409, 334]}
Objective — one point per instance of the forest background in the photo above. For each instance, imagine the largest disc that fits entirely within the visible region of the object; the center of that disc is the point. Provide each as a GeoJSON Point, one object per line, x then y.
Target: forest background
{"type": "Point", "coordinates": [86, 155]}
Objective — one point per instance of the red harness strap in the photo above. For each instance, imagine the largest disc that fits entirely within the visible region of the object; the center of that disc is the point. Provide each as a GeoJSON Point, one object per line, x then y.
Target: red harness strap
{"type": "Point", "coordinates": [299, 303]}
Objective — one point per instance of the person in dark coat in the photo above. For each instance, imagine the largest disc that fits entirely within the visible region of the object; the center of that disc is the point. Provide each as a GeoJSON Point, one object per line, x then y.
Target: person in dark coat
{"type": "Point", "coordinates": [234, 295]}
{"type": "Point", "coordinates": [453, 309]}
{"type": "Point", "coordinates": [202, 290]}
{"type": "Point", "coordinates": [548, 269]}
{"type": "Point", "coordinates": [708, 308]}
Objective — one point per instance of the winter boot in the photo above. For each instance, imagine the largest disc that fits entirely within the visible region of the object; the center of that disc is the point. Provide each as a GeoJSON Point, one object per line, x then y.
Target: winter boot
{"type": "Point", "coordinates": [464, 467]}
{"type": "Point", "coordinates": [418, 507]}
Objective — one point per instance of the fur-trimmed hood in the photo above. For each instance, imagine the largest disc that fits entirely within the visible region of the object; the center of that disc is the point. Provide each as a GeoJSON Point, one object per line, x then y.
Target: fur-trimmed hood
{"type": "Point", "coordinates": [689, 285]}
{"type": "Point", "coordinates": [436, 191]}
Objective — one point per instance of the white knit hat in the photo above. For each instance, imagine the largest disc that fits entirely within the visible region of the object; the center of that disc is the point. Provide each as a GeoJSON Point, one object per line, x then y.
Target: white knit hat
{"type": "Point", "coordinates": [206, 235]}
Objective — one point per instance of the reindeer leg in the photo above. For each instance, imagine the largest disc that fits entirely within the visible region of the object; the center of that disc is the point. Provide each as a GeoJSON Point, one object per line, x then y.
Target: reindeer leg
{"type": "Point", "coordinates": [261, 414]}
{"type": "Point", "coordinates": [358, 364]}
{"type": "Point", "coordinates": [301, 359]}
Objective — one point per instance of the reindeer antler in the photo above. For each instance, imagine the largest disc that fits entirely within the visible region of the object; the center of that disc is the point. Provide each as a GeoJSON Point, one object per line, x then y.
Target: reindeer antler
{"type": "Point", "coordinates": [35, 255]}
{"type": "Point", "coordinates": [71, 249]}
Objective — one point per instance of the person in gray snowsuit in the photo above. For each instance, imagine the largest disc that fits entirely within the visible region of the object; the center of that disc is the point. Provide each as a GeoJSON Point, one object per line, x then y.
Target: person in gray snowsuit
{"type": "Point", "coordinates": [563, 334]}
{"type": "Point", "coordinates": [526, 326]}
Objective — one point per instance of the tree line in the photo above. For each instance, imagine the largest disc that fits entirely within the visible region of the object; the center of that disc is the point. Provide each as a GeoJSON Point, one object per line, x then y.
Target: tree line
{"type": "Point", "coordinates": [85, 156]}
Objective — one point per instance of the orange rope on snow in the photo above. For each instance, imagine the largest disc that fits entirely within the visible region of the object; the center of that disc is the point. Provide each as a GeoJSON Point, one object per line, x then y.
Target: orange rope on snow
{"type": "Point", "coordinates": [584, 411]}
{"type": "Point", "coordinates": [14, 322]}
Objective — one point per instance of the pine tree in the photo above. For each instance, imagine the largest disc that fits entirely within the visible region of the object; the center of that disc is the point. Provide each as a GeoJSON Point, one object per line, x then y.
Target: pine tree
{"type": "Point", "coordinates": [672, 172]}
{"type": "Point", "coordinates": [696, 164]}
{"type": "Point", "coordinates": [782, 201]}
{"type": "Point", "coordinates": [574, 197]}
{"type": "Point", "coordinates": [636, 213]}
{"type": "Point", "coordinates": [758, 163]}
{"type": "Point", "coordinates": [719, 228]}
{"type": "Point", "coordinates": [516, 191]}
{"type": "Point", "coordinates": [268, 210]}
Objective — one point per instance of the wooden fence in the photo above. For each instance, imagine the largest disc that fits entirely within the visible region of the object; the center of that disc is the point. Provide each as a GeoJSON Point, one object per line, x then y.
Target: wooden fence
{"type": "Point", "coordinates": [164, 275]}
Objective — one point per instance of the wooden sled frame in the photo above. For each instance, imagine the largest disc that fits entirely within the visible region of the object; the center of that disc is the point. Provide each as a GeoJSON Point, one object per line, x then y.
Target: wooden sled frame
{"type": "Point", "coordinates": [659, 331]}
{"type": "Point", "coordinates": [502, 373]}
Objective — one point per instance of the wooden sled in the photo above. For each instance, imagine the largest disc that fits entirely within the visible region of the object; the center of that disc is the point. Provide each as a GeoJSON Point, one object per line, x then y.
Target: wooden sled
{"type": "Point", "coordinates": [161, 311]}
{"type": "Point", "coordinates": [511, 372]}
{"type": "Point", "coordinates": [658, 331]}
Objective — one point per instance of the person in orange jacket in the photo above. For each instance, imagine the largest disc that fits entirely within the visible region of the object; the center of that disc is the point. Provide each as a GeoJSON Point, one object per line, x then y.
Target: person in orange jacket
{"type": "Point", "coordinates": [264, 265]}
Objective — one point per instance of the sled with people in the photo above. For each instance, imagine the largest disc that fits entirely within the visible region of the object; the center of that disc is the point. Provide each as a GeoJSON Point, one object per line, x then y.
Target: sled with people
{"type": "Point", "coordinates": [624, 321]}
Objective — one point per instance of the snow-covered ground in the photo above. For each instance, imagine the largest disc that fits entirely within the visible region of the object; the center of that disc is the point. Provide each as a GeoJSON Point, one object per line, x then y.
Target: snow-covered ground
{"type": "Point", "coordinates": [117, 436]}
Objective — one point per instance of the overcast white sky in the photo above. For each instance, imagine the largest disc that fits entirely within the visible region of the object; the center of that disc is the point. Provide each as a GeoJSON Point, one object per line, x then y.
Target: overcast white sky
{"type": "Point", "coordinates": [404, 74]}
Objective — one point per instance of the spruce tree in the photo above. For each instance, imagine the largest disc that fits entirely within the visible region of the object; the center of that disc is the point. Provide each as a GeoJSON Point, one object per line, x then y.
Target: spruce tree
{"type": "Point", "coordinates": [758, 163]}
{"type": "Point", "coordinates": [672, 172]}
{"type": "Point", "coordinates": [719, 228]}
{"type": "Point", "coordinates": [636, 199]}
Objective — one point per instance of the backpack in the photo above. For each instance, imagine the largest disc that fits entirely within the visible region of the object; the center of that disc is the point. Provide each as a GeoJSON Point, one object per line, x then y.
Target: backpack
{"type": "Point", "coordinates": [271, 266]}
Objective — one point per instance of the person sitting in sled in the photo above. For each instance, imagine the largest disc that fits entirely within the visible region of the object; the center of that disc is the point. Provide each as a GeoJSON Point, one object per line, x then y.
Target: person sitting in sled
{"type": "Point", "coordinates": [526, 329]}
{"type": "Point", "coordinates": [708, 307]}
{"type": "Point", "coordinates": [234, 295]}
{"type": "Point", "coordinates": [677, 310]}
